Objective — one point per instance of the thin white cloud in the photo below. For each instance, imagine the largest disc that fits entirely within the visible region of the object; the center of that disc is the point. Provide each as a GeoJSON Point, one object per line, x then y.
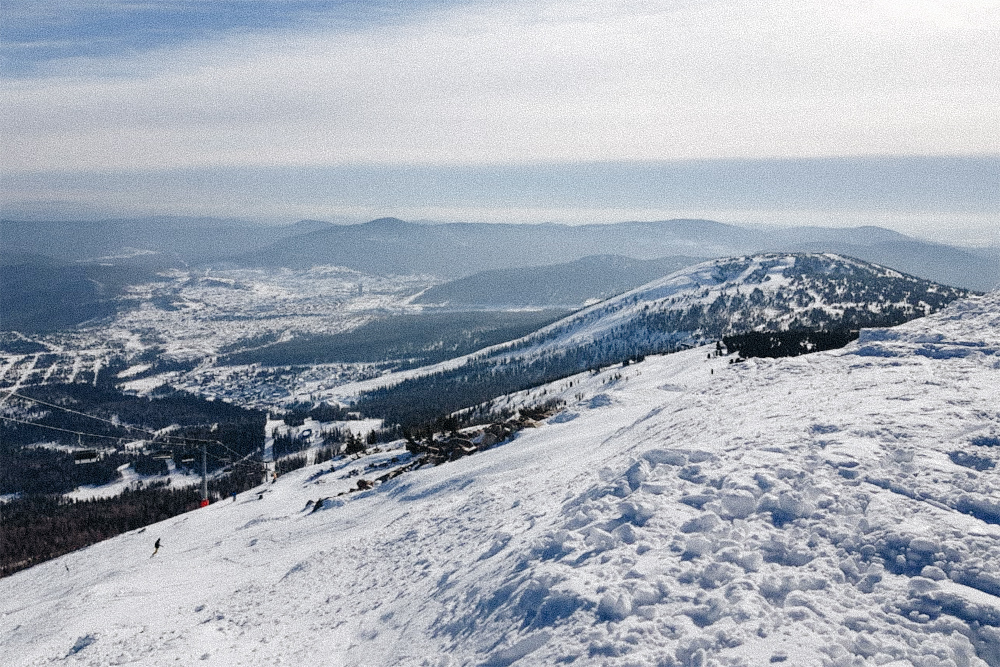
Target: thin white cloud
{"type": "Point", "coordinates": [530, 82]}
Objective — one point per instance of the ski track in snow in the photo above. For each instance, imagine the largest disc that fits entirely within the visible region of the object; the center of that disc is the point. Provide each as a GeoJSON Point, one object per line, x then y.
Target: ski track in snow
{"type": "Point", "coordinates": [804, 511]}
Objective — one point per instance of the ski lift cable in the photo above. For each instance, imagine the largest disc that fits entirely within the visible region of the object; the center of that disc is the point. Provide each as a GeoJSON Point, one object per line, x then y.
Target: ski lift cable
{"type": "Point", "coordinates": [126, 427]}
{"type": "Point", "coordinates": [9, 394]}
{"type": "Point", "coordinates": [178, 439]}
{"type": "Point", "coordinates": [235, 453]}
{"type": "Point", "coordinates": [115, 437]}
{"type": "Point", "coordinates": [77, 412]}
{"type": "Point", "coordinates": [79, 434]}
{"type": "Point", "coordinates": [153, 434]}
{"type": "Point", "coordinates": [147, 431]}
{"type": "Point", "coordinates": [240, 462]}
{"type": "Point", "coordinates": [56, 428]}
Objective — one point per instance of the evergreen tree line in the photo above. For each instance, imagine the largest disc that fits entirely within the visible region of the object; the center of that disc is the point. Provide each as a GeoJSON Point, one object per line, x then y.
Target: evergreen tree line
{"type": "Point", "coordinates": [39, 470]}
{"type": "Point", "coordinates": [336, 439]}
{"type": "Point", "coordinates": [33, 469]}
{"type": "Point", "coordinates": [787, 343]}
{"type": "Point", "coordinates": [324, 412]}
{"type": "Point", "coordinates": [409, 340]}
{"type": "Point", "coordinates": [290, 463]}
{"type": "Point", "coordinates": [422, 400]}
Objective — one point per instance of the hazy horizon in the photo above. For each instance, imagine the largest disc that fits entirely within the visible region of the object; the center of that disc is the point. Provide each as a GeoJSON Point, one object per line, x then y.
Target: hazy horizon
{"type": "Point", "coordinates": [844, 113]}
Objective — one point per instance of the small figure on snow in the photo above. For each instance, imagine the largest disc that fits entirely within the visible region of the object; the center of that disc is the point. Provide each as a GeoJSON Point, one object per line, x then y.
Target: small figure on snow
{"type": "Point", "coordinates": [156, 547]}
{"type": "Point", "coordinates": [234, 496]}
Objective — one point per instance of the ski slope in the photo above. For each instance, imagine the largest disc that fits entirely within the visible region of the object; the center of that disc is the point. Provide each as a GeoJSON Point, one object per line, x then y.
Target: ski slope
{"type": "Point", "coordinates": [680, 511]}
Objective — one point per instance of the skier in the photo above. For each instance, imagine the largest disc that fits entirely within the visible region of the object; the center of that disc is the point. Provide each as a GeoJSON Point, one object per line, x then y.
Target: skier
{"type": "Point", "coordinates": [156, 547]}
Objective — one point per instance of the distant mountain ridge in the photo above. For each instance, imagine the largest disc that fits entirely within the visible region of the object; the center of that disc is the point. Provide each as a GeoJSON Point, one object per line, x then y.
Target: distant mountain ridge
{"type": "Point", "coordinates": [456, 250]}
{"type": "Point", "coordinates": [460, 249]}
{"type": "Point", "coordinates": [169, 239]}
{"type": "Point", "coordinates": [571, 284]}
{"type": "Point", "coordinates": [55, 275]}
{"type": "Point", "coordinates": [39, 293]}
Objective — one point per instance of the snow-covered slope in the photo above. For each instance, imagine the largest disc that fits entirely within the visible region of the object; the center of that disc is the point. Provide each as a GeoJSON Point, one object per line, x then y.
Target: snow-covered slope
{"type": "Point", "coordinates": [833, 509]}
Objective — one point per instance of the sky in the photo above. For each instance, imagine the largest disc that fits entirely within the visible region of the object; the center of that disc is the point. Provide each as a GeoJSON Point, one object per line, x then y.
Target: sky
{"type": "Point", "coordinates": [841, 112]}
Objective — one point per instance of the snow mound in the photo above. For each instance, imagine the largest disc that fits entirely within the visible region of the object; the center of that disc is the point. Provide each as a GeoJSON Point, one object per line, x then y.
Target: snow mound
{"type": "Point", "coordinates": [967, 327]}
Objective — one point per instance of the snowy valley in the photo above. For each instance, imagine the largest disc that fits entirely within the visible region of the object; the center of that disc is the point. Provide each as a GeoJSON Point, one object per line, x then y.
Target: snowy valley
{"type": "Point", "coordinates": [834, 509]}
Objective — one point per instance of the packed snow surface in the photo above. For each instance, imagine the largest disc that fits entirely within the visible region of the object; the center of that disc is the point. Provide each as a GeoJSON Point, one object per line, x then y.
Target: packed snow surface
{"type": "Point", "coordinates": [836, 509]}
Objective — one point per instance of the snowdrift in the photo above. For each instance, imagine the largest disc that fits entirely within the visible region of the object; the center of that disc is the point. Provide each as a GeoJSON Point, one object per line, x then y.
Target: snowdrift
{"type": "Point", "coordinates": [835, 509]}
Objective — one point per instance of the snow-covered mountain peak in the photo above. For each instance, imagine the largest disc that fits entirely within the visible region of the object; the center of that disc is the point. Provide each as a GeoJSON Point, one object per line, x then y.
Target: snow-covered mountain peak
{"type": "Point", "coordinates": [773, 291]}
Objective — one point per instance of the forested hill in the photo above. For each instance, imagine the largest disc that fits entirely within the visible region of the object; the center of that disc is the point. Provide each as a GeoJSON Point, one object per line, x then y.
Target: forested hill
{"type": "Point", "coordinates": [693, 306]}
{"type": "Point", "coordinates": [752, 293]}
